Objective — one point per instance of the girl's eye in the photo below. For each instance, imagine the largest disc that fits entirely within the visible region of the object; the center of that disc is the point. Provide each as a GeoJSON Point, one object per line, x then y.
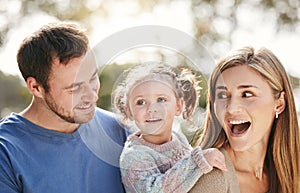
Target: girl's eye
{"type": "Point", "coordinates": [222, 95]}
{"type": "Point", "coordinates": [161, 99]}
{"type": "Point", "coordinates": [247, 94]}
{"type": "Point", "coordinates": [140, 102]}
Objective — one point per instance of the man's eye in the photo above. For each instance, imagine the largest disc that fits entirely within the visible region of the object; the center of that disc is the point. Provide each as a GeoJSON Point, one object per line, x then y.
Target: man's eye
{"type": "Point", "coordinates": [161, 99]}
{"type": "Point", "coordinates": [95, 77]}
{"type": "Point", "coordinates": [247, 94]}
{"type": "Point", "coordinates": [140, 102]}
{"type": "Point", "coordinates": [75, 88]}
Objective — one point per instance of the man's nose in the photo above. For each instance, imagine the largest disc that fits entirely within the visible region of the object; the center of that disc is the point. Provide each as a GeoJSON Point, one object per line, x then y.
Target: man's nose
{"type": "Point", "coordinates": [90, 93]}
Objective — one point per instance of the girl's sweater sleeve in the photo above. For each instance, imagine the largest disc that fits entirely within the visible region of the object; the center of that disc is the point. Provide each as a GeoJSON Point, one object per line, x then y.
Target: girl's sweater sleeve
{"type": "Point", "coordinates": [141, 173]}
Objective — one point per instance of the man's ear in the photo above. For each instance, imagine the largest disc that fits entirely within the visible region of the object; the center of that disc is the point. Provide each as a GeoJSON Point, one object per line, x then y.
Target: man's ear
{"type": "Point", "coordinates": [280, 103]}
{"type": "Point", "coordinates": [128, 113]}
{"type": "Point", "coordinates": [34, 87]}
{"type": "Point", "coordinates": [179, 107]}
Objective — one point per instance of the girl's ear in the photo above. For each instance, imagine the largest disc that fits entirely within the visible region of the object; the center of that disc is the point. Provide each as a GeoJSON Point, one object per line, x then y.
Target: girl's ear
{"type": "Point", "coordinates": [179, 107]}
{"type": "Point", "coordinates": [280, 103]}
{"type": "Point", "coordinates": [128, 113]}
{"type": "Point", "coordinates": [34, 87]}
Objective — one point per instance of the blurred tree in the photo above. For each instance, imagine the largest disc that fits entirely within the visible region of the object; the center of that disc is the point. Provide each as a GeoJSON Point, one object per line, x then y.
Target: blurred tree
{"type": "Point", "coordinates": [206, 13]}
{"type": "Point", "coordinates": [214, 23]}
{"type": "Point", "coordinates": [108, 77]}
{"type": "Point", "coordinates": [295, 81]}
{"type": "Point", "coordinates": [14, 95]}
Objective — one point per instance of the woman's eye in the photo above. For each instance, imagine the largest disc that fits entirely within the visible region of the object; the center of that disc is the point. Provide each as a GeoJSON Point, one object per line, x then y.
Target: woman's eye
{"type": "Point", "coordinates": [161, 100]}
{"type": "Point", "coordinates": [222, 95]}
{"type": "Point", "coordinates": [140, 102]}
{"type": "Point", "coordinates": [247, 94]}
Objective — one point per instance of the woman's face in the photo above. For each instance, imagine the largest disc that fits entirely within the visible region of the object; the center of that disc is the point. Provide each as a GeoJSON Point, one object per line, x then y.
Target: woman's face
{"type": "Point", "coordinates": [245, 107]}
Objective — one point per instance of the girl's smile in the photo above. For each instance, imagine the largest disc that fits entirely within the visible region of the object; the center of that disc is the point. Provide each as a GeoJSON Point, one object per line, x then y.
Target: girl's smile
{"type": "Point", "coordinates": [153, 105]}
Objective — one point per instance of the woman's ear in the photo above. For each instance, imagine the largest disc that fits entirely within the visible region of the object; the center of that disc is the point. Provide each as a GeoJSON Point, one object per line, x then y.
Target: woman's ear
{"type": "Point", "coordinates": [280, 103]}
{"type": "Point", "coordinates": [179, 107]}
{"type": "Point", "coordinates": [34, 87]}
{"type": "Point", "coordinates": [128, 113]}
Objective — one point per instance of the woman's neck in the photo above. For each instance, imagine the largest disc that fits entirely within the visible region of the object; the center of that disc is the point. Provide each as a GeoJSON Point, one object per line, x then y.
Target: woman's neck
{"type": "Point", "coordinates": [250, 161]}
{"type": "Point", "coordinates": [250, 169]}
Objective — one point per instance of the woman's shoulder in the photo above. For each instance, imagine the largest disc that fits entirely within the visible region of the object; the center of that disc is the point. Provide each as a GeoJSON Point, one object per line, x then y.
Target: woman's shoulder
{"type": "Point", "coordinates": [218, 181]}
{"type": "Point", "coordinates": [212, 182]}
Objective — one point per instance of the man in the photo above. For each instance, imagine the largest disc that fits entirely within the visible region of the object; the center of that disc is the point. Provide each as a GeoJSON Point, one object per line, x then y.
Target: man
{"type": "Point", "coordinates": [61, 142]}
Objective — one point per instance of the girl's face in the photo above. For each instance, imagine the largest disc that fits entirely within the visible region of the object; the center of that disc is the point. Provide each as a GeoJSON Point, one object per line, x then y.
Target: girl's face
{"type": "Point", "coordinates": [245, 107]}
{"type": "Point", "coordinates": [153, 105]}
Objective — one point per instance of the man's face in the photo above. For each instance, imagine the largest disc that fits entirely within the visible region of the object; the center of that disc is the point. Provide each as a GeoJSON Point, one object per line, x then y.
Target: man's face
{"type": "Point", "coordinates": [74, 89]}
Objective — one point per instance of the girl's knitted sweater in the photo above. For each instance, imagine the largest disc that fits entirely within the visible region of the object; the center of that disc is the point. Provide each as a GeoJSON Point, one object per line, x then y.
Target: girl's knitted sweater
{"type": "Point", "coordinates": [171, 167]}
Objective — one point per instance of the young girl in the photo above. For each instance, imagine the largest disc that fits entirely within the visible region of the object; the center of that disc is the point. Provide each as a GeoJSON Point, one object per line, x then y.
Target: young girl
{"type": "Point", "coordinates": [155, 158]}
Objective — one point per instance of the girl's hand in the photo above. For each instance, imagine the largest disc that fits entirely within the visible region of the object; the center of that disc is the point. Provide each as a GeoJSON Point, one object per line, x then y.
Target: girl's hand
{"type": "Point", "coordinates": [215, 158]}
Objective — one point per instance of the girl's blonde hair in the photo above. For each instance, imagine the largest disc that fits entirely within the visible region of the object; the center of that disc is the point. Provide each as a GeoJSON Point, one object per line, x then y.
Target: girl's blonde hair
{"type": "Point", "coordinates": [184, 83]}
{"type": "Point", "coordinates": [282, 158]}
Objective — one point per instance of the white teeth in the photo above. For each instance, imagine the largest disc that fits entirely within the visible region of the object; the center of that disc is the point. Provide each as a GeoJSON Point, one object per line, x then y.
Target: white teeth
{"type": "Point", "coordinates": [153, 119]}
{"type": "Point", "coordinates": [84, 106]}
{"type": "Point", "coordinates": [237, 122]}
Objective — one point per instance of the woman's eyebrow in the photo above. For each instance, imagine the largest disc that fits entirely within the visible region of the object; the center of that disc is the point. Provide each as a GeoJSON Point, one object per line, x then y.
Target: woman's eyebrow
{"type": "Point", "coordinates": [239, 87]}
{"type": "Point", "coordinates": [247, 86]}
{"type": "Point", "coordinates": [221, 87]}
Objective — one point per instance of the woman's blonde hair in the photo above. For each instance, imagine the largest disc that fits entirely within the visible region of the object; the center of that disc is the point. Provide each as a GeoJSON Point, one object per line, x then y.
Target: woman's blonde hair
{"type": "Point", "coordinates": [282, 158]}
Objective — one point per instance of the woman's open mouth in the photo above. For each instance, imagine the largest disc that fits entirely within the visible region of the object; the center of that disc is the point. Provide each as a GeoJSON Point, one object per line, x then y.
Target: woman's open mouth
{"type": "Point", "coordinates": [238, 128]}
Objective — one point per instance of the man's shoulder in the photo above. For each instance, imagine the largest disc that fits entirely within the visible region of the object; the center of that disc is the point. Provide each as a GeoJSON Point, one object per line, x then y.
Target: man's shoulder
{"type": "Point", "coordinates": [107, 122]}
{"type": "Point", "coordinates": [9, 122]}
{"type": "Point", "coordinates": [9, 119]}
{"type": "Point", "coordinates": [99, 110]}
{"type": "Point", "coordinates": [107, 119]}
{"type": "Point", "coordinates": [104, 114]}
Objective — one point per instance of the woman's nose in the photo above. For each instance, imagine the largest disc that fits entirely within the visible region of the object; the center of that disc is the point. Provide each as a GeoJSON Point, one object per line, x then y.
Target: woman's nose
{"type": "Point", "coordinates": [233, 106]}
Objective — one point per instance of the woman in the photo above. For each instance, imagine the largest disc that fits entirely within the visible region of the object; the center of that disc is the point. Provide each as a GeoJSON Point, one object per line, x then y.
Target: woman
{"type": "Point", "coordinates": [252, 118]}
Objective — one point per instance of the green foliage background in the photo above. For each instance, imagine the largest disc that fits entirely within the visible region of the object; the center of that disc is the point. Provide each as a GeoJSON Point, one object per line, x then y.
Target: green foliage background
{"type": "Point", "coordinates": [14, 96]}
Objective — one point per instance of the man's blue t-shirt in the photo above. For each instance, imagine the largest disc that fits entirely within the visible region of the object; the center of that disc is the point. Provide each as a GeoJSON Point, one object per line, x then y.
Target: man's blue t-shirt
{"type": "Point", "coordinates": [37, 160]}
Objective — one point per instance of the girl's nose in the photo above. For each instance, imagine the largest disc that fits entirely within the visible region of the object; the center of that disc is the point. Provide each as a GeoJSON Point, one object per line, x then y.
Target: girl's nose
{"type": "Point", "coordinates": [152, 108]}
